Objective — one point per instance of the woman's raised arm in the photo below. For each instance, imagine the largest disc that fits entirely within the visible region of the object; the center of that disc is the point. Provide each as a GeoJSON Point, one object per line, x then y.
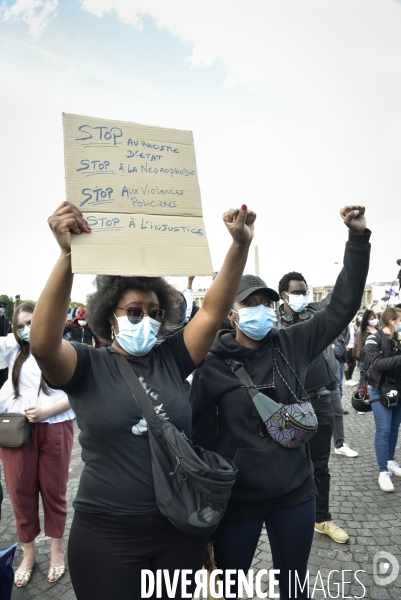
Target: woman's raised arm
{"type": "Point", "coordinates": [56, 357]}
{"type": "Point", "coordinates": [199, 334]}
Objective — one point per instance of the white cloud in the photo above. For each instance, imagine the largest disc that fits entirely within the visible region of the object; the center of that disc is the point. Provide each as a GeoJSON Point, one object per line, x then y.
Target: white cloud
{"type": "Point", "coordinates": [124, 10]}
{"type": "Point", "coordinates": [36, 13]}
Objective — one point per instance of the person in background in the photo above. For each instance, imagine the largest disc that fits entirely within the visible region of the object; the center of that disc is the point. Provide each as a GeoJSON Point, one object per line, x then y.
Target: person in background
{"type": "Point", "coordinates": [358, 319]}
{"type": "Point", "coordinates": [5, 328]}
{"type": "Point", "coordinates": [348, 357]}
{"type": "Point", "coordinates": [42, 466]}
{"type": "Point", "coordinates": [369, 325]}
{"type": "Point", "coordinates": [378, 308]}
{"type": "Point", "coordinates": [382, 362]}
{"type": "Point", "coordinates": [321, 384]}
{"type": "Point", "coordinates": [340, 346]}
{"type": "Point", "coordinates": [17, 301]}
{"type": "Point", "coordinates": [195, 309]}
{"type": "Point", "coordinates": [182, 317]}
{"type": "Point", "coordinates": [79, 331]}
{"type": "Point", "coordinates": [71, 313]}
{"type": "Point", "coordinates": [189, 296]}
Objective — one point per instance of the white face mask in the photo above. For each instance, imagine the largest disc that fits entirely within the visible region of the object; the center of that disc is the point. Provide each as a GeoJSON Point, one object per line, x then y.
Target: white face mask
{"type": "Point", "coordinates": [137, 338]}
{"type": "Point", "coordinates": [82, 322]}
{"type": "Point", "coordinates": [373, 322]}
{"type": "Point", "coordinates": [296, 302]}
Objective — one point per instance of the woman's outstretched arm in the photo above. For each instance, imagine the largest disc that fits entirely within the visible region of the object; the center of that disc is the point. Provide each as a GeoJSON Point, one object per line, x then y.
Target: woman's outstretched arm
{"type": "Point", "coordinates": [199, 334]}
{"type": "Point", "coordinates": [56, 357]}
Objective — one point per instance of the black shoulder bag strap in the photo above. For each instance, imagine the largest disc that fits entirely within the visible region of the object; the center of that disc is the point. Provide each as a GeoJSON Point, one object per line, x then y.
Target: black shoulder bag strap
{"type": "Point", "coordinates": [141, 397]}
{"type": "Point", "coordinates": [239, 371]}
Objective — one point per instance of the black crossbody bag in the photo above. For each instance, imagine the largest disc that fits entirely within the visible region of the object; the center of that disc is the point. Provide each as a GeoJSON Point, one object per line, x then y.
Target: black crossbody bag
{"type": "Point", "coordinates": [192, 485]}
{"type": "Point", "coordinates": [389, 394]}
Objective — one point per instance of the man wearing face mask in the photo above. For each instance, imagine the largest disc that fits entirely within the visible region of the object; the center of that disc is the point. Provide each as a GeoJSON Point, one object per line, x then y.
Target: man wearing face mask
{"type": "Point", "coordinates": [322, 387]}
{"type": "Point", "coordinates": [79, 330]}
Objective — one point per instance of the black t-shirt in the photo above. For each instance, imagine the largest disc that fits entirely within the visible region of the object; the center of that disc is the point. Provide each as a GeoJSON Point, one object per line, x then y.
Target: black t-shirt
{"type": "Point", "coordinates": [117, 476]}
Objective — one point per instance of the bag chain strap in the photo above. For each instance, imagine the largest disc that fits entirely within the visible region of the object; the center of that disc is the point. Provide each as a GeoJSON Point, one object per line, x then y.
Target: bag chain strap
{"type": "Point", "coordinates": [275, 366]}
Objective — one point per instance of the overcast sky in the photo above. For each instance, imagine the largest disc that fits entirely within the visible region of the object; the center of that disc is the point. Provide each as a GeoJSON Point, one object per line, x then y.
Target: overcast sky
{"type": "Point", "coordinates": [294, 106]}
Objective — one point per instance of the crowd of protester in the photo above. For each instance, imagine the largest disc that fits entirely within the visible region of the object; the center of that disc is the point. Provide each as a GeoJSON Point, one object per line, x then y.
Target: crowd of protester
{"type": "Point", "coordinates": [190, 361]}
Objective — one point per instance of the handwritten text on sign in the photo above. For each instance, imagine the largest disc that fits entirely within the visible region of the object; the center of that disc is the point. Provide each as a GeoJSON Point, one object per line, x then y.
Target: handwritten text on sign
{"type": "Point", "coordinates": [139, 173]}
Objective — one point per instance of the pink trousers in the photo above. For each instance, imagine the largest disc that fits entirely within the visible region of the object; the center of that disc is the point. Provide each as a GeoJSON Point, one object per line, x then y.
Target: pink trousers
{"type": "Point", "coordinates": [41, 467]}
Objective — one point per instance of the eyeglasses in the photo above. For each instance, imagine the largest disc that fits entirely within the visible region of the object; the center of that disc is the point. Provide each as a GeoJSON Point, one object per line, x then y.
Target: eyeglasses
{"type": "Point", "coordinates": [299, 293]}
{"type": "Point", "coordinates": [136, 314]}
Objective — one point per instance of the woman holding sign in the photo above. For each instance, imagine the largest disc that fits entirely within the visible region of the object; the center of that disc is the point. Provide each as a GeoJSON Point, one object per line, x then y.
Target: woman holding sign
{"type": "Point", "coordinates": [117, 529]}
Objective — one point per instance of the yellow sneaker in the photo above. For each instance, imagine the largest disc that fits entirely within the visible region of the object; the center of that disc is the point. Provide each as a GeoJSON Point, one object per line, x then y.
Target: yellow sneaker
{"type": "Point", "coordinates": [332, 530]}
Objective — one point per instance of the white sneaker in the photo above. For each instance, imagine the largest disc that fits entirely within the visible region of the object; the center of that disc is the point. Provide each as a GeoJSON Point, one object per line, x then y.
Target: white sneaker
{"type": "Point", "coordinates": [394, 467]}
{"type": "Point", "coordinates": [345, 450]}
{"type": "Point", "coordinates": [350, 382]}
{"type": "Point", "coordinates": [385, 482]}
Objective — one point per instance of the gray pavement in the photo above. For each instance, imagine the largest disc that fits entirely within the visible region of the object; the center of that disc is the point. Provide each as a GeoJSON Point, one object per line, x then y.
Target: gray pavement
{"type": "Point", "coordinates": [371, 517]}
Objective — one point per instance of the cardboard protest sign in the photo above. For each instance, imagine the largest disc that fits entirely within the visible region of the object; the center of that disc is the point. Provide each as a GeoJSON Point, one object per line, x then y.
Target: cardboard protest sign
{"type": "Point", "coordinates": [137, 186]}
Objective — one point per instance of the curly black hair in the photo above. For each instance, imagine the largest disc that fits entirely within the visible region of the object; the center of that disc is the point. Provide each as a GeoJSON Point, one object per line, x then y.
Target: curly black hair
{"type": "Point", "coordinates": [285, 280]}
{"type": "Point", "coordinates": [110, 288]}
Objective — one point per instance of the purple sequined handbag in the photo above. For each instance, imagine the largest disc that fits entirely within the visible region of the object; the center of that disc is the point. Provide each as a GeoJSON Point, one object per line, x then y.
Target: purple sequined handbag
{"type": "Point", "coordinates": [290, 425]}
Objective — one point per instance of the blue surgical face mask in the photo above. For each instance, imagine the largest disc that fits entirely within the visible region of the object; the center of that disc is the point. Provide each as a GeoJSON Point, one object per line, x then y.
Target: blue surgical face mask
{"type": "Point", "coordinates": [298, 303]}
{"type": "Point", "coordinates": [256, 321]}
{"type": "Point", "coordinates": [398, 329]}
{"type": "Point", "coordinates": [25, 333]}
{"type": "Point", "coordinates": [137, 338]}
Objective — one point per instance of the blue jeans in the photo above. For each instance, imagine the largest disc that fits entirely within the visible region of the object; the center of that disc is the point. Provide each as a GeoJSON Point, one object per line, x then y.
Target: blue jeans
{"type": "Point", "coordinates": [290, 532]}
{"type": "Point", "coordinates": [340, 379]}
{"type": "Point", "coordinates": [388, 422]}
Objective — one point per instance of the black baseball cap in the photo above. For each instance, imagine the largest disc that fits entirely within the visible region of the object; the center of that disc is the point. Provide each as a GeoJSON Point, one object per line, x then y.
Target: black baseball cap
{"type": "Point", "coordinates": [251, 284]}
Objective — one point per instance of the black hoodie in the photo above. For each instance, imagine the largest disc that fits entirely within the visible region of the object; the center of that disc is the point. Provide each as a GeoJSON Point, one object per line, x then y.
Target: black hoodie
{"type": "Point", "coordinates": [224, 417]}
